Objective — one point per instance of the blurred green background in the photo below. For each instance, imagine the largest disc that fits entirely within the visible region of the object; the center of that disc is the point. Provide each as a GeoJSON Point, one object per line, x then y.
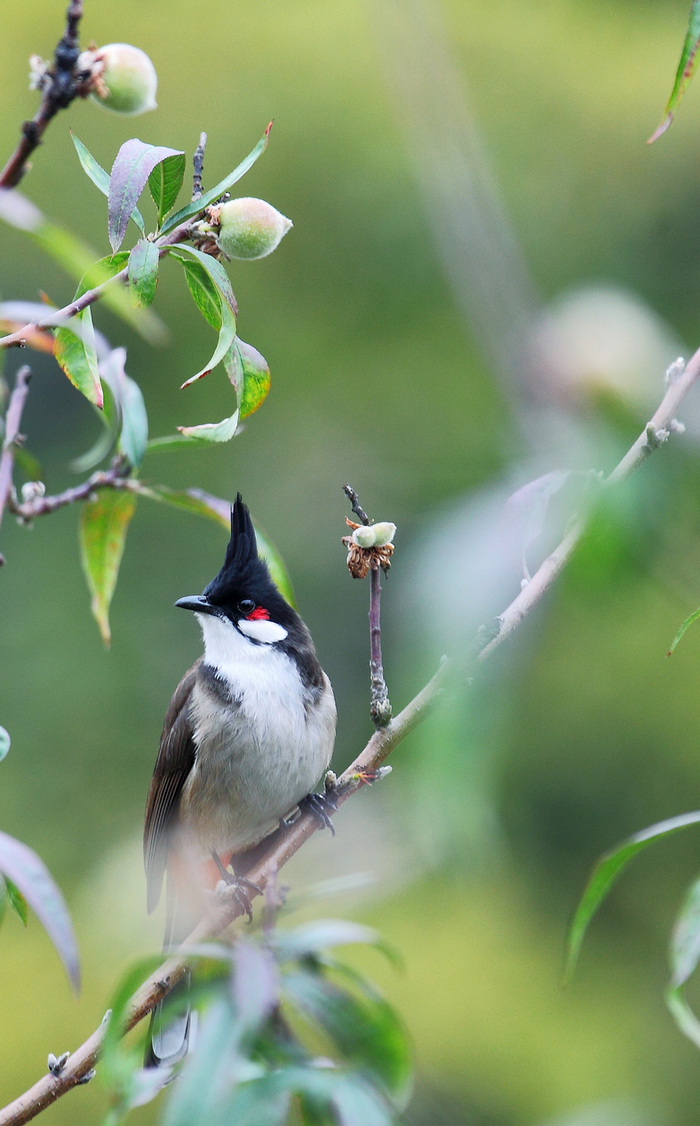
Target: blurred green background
{"type": "Point", "coordinates": [455, 175]}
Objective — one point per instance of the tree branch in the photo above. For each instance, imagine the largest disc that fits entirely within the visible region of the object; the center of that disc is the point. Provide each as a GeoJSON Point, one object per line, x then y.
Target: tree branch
{"type": "Point", "coordinates": [112, 478]}
{"type": "Point", "coordinates": [62, 85]}
{"type": "Point", "coordinates": [198, 163]}
{"type": "Point", "coordinates": [13, 420]}
{"type": "Point", "coordinates": [288, 841]}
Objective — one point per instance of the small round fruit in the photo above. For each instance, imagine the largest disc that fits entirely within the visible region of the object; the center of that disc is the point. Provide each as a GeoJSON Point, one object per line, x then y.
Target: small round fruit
{"type": "Point", "coordinates": [250, 228]}
{"type": "Point", "coordinates": [128, 81]}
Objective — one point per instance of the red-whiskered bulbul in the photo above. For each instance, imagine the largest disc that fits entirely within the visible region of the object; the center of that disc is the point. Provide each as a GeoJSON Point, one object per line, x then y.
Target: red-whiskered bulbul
{"type": "Point", "coordinates": [249, 732]}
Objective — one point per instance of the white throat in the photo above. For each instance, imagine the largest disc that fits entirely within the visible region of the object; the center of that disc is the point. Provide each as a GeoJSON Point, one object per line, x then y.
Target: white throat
{"type": "Point", "coordinates": [224, 645]}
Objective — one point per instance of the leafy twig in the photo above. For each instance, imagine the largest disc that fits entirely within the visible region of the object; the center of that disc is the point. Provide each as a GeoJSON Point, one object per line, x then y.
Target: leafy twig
{"type": "Point", "coordinates": [61, 87]}
{"type": "Point", "coordinates": [13, 419]}
{"type": "Point", "coordinates": [116, 477]}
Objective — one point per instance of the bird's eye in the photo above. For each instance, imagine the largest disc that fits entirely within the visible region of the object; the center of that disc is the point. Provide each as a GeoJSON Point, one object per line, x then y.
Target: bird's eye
{"type": "Point", "coordinates": [246, 606]}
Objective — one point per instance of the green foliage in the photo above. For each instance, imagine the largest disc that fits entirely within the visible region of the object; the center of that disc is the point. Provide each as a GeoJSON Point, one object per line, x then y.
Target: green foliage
{"type": "Point", "coordinates": [143, 271]}
{"type": "Point", "coordinates": [686, 624]}
{"type": "Point", "coordinates": [132, 167]}
{"type": "Point", "coordinates": [165, 181]}
{"type": "Point", "coordinates": [685, 71]}
{"type": "Point", "coordinates": [100, 178]}
{"type": "Point", "coordinates": [104, 523]}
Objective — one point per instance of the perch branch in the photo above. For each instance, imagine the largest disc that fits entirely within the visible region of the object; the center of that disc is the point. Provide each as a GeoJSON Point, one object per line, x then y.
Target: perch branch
{"type": "Point", "coordinates": [365, 766]}
{"type": "Point", "coordinates": [13, 419]}
{"type": "Point", "coordinates": [112, 478]}
{"type": "Point", "coordinates": [198, 162]}
{"type": "Point", "coordinates": [61, 87]}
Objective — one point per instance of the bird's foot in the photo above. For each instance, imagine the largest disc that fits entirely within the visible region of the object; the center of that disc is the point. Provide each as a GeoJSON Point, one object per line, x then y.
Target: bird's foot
{"type": "Point", "coordinates": [322, 805]}
{"type": "Point", "coordinates": [236, 888]}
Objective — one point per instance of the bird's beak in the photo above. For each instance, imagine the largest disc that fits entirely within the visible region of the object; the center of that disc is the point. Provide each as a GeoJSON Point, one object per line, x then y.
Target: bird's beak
{"type": "Point", "coordinates": [198, 603]}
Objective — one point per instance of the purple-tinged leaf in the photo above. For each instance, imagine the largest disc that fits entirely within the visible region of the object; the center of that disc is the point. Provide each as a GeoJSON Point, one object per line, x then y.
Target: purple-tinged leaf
{"type": "Point", "coordinates": [143, 271]}
{"type": "Point", "coordinates": [99, 177]}
{"type": "Point", "coordinates": [103, 526]}
{"type": "Point", "coordinates": [525, 512]}
{"type": "Point", "coordinates": [133, 165]}
{"type": "Point", "coordinates": [686, 69]}
{"type": "Point", "coordinates": [130, 406]}
{"type": "Point", "coordinates": [254, 985]}
{"type": "Point", "coordinates": [32, 878]}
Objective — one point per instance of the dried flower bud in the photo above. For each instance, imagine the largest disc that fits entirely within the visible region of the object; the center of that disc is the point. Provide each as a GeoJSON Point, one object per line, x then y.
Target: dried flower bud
{"type": "Point", "coordinates": [124, 78]}
{"type": "Point", "coordinates": [249, 228]}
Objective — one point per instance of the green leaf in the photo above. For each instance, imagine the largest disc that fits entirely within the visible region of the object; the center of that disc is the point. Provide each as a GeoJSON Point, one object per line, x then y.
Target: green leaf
{"type": "Point", "coordinates": [133, 165]}
{"type": "Point", "coordinates": [604, 875]}
{"type": "Point", "coordinates": [143, 271]}
{"type": "Point", "coordinates": [249, 374]}
{"type": "Point", "coordinates": [3, 899]}
{"type": "Point", "coordinates": [686, 69]}
{"type": "Point", "coordinates": [212, 268]}
{"type": "Point", "coordinates": [322, 934]}
{"type": "Point", "coordinates": [30, 876]}
{"type": "Point", "coordinates": [130, 407]}
{"type": "Point", "coordinates": [688, 622]}
{"type": "Point", "coordinates": [682, 1014]}
{"type": "Point", "coordinates": [198, 205]}
{"type": "Point", "coordinates": [204, 293]}
{"type": "Point", "coordinates": [685, 939]}
{"type": "Point", "coordinates": [227, 308]}
{"type": "Point", "coordinates": [213, 431]}
{"type": "Point", "coordinates": [165, 181]}
{"type": "Point", "coordinates": [30, 465]}
{"type": "Point", "coordinates": [214, 508]}
{"type": "Point", "coordinates": [103, 526]}
{"type": "Point", "coordinates": [227, 333]}
{"type": "Point", "coordinates": [17, 901]}
{"type": "Point", "coordinates": [100, 178]}
{"type": "Point", "coordinates": [77, 357]}
{"type": "Point", "coordinates": [4, 743]}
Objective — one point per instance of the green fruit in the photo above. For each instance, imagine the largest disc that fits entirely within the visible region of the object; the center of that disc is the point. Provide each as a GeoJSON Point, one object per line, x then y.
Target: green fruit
{"type": "Point", "coordinates": [250, 228]}
{"type": "Point", "coordinates": [128, 81]}
{"type": "Point", "coordinates": [364, 536]}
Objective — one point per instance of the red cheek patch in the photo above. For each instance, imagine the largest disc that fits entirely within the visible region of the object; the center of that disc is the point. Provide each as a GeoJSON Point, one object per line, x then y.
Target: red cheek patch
{"type": "Point", "coordinates": [259, 614]}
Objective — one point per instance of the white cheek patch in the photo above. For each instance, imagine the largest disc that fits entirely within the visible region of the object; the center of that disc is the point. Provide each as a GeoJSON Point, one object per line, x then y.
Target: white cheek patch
{"type": "Point", "coordinates": [262, 630]}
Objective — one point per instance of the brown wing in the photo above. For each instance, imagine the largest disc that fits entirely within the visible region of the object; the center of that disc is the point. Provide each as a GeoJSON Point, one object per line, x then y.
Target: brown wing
{"type": "Point", "coordinates": [176, 757]}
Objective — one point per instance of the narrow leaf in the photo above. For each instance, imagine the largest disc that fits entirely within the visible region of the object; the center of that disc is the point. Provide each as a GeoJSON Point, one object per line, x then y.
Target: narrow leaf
{"type": "Point", "coordinates": [686, 69]}
{"type": "Point", "coordinates": [17, 901]}
{"type": "Point", "coordinates": [249, 374]}
{"type": "Point", "coordinates": [165, 181]}
{"type": "Point", "coordinates": [213, 269]}
{"type": "Point", "coordinates": [688, 622]}
{"type": "Point", "coordinates": [204, 293]}
{"type": "Point", "coordinates": [227, 333]}
{"type": "Point", "coordinates": [4, 743]}
{"type": "Point", "coordinates": [320, 935]}
{"type": "Point", "coordinates": [103, 527]}
{"type": "Point", "coordinates": [100, 178]}
{"type": "Point", "coordinates": [131, 408]}
{"type": "Point", "coordinates": [255, 984]}
{"type": "Point", "coordinates": [233, 177]}
{"type": "Point", "coordinates": [685, 938]}
{"type": "Point", "coordinates": [604, 875]}
{"type": "Point", "coordinates": [683, 1015]}
{"type": "Point", "coordinates": [133, 165]}
{"type": "Point", "coordinates": [31, 877]}
{"type": "Point", "coordinates": [77, 357]}
{"type": "Point", "coordinates": [214, 508]}
{"type": "Point", "coordinates": [143, 271]}
{"type": "Point", "coordinates": [213, 431]}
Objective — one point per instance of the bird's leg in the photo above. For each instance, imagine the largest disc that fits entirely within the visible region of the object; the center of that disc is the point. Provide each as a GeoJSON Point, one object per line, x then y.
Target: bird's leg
{"type": "Point", "coordinates": [237, 887]}
{"type": "Point", "coordinates": [322, 805]}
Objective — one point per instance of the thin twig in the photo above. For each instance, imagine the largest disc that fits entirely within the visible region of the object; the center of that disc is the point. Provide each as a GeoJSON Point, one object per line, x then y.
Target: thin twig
{"type": "Point", "coordinates": [198, 162]}
{"type": "Point", "coordinates": [62, 86]}
{"type": "Point", "coordinates": [13, 420]}
{"type": "Point", "coordinates": [18, 338]}
{"type": "Point", "coordinates": [384, 740]}
{"type": "Point", "coordinates": [655, 433]}
{"type": "Point", "coordinates": [112, 478]}
{"type": "Point", "coordinates": [356, 506]}
{"type": "Point", "coordinates": [379, 708]}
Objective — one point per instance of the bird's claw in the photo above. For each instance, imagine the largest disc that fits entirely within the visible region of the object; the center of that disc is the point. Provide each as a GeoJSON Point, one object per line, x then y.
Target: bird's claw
{"type": "Point", "coordinates": [321, 806]}
{"type": "Point", "coordinates": [236, 888]}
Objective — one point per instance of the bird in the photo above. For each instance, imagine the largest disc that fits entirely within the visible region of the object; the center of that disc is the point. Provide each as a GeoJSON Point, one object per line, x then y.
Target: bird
{"type": "Point", "coordinates": [249, 732]}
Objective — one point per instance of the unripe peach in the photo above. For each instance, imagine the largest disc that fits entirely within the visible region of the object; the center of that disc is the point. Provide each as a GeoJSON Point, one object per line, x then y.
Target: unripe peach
{"type": "Point", "coordinates": [250, 228]}
{"type": "Point", "coordinates": [125, 78]}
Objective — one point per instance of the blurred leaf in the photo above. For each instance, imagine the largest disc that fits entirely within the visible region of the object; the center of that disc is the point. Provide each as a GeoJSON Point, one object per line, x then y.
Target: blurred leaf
{"type": "Point", "coordinates": [604, 875]}
{"type": "Point", "coordinates": [133, 165]}
{"type": "Point", "coordinates": [201, 503]}
{"type": "Point", "coordinates": [368, 1033]}
{"type": "Point", "coordinates": [525, 511]}
{"type": "Point", "coordinates": [204, 200]}
{"type": "Point", "coordinates": [358, 1104]}
{"type": "Point", "coordinates": [100, 178]}
{"type": "Point", "coordinates": [688, 622]}
{"type": "Point", "coordinates": [204, 293]}
{"type": "Point", "coordinates": [103, 526]}
{"type": "Point", "coordinates": [685, 938]}
{"type": "Point", "coordinates": [132, 419]}
{"type": "Point", "coordinates": [143, 271]}
{"type": "Point", "coordinates": [17, 901]}
{"type": "Point", "coordinates": [165, 181]}
{"type": "Point", "coordinates": [686, 69]}
{"type": "Point", "coordinates": [76, 258]}
{"type": "Point", "coordinates": [249, 374]}
{"type": "Point", "coordinates": [255, 984]}
{"type": "Point", "coordinates": [30, 465]}
{"type": "Point", "coordinates": [3, 899]}
{"type": "Point", "coordinates": [322, 934]}
{"type": "Point", "coordinates": [77, 357]}
{"type": "Point", "coordinates": [682, 1014]}
{"type": "Point", "coordinates": [170, 442]}
{"type": "Point", "coordinates": [211, 1072]}
{"type": "Point", "coordinates": [114, 1065]}
{"type": "Point", "coordinates": [4, 742]}
{"type": "Point", "coordinates": [213, 431]}
{"type": "Point", "coordinates": [29, 874]}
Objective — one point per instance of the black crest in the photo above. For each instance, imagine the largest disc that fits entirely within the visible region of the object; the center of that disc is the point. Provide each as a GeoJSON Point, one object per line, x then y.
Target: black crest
{"type": "Point", "coordinates": [244, 573]}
